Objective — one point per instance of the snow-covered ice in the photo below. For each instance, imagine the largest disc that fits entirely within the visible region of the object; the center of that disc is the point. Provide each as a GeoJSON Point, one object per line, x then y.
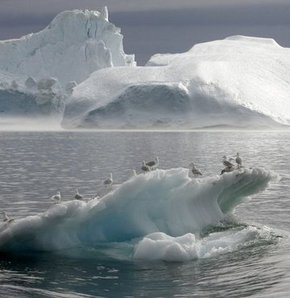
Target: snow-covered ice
{"type": "Point", "coordinates": [70, 48]}
{"type": "Point", "coordinates": [239, 81]}
{"type": "Point", "coordinates": [48, 64]}
{"type": "Point", "coordinates": [76, 68]}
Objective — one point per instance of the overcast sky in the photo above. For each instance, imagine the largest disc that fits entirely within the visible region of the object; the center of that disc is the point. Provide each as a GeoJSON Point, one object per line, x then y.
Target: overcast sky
{"type": "Point", "coordinates": [159, 26]}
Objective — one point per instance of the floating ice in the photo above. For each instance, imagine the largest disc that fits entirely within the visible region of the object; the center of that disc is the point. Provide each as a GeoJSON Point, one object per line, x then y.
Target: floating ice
{"type": "Point", "coordinates": [44, 67]}
{"type": "Point", "coordinates": [161, 247]}
{"type": "Point", "coordinates": [70, 48]}
{"type": "Point", "coordinates": [239, 81]}
{"type": "Point", "coordinates": [166, 201]}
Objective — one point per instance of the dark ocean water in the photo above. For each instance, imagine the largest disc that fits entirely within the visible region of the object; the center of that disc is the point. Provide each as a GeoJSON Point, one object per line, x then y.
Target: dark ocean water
{"type": "Point", "coordinates": [34, 165]}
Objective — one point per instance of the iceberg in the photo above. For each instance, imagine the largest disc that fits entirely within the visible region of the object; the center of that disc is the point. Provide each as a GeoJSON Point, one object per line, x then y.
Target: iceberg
{"type": "Point", "coordinates": [239, 82]}
{"type": "Point", "coordinates": [43, 66]}
{"type": "Point", "coordinates": [159, 202]}
{"type": "Point", "coordinates": [76, 68]}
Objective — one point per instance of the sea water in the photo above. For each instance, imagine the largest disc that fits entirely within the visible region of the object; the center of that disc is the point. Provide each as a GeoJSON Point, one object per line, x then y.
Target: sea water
{"type": "Point", "coordinates": [245, 256]}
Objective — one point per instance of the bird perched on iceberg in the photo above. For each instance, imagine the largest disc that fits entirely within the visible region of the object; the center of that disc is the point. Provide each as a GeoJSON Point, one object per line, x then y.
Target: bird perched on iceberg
{"type": "Point", "coordinates": [153, 164]}
{"type": "Point", "coordinates": [56, 198]}
{"type": "Point", "coordinates": [238, 160]}
{"type": "Point", "coordinates": [109, 181]}
{"type": "Point", "coordinates": [196, 172]}
{"type": "Point", "coordinates": [78, 196]}
{"type": "Point", "coordinates": [144, 167]}
{"type": "Point", "coordinates": [228, 165]}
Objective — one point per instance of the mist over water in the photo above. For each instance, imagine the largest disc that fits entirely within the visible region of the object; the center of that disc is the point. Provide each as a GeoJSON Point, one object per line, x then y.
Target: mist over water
{"type": "Point", "coordinates": [34, 165]}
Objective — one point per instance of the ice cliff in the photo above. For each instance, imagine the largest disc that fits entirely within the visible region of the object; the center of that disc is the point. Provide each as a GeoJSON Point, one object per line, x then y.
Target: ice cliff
{"type": "Point", "coordinates": [240, 81]}
{"type": "Point", "coordinates": [40, 65]}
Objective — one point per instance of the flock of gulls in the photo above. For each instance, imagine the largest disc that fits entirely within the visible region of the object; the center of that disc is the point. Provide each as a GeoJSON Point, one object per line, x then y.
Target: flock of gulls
{"type": "Point", "coordinates": [228, 163]}
{"type": "Point", "coordinates": [146, 167]}
{"type": "Point", "coordinates": [108, 182]}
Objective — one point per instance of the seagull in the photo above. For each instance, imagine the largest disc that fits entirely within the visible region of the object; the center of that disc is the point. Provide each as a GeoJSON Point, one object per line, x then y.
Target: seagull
{"type": "Point", "coordinates": [145, 168]}
{"type": "Point", "coordinates": [227, 163]}
{"type": "Point", "coordinates": [109, 180]}
{"type": "Point", "coordinates": [56, 197]}
{"type": "Point", "coordinates": [6, 218]}
{"type": "Point", "coordinates": [238, 160]}
{"type": "Point", "coordinates": [78, 196]}
{"type": "Point", "coordinates": [226, 170]}
{"type": "Point", "coordinates": [154, 163]}
{"type": "Point", "coordinates": [134, 173]}
{"type": "Point", "coordinates": [194, 170]}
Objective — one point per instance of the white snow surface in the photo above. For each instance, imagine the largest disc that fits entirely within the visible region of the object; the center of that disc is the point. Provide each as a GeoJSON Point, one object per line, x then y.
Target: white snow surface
{"type": "Point", "coordinates": [239, 81]}
{"type": "Point", "coordinates": [75, 44]}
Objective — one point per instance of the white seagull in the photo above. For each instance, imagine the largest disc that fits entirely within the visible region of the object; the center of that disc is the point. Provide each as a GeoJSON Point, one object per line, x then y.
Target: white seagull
{"type": "Point", "coordinates": [238, 160]}
{"type": "Point", "coordinates": [56, 198]}
{"type": "Point", "coordinates": [109, 180]}
{"type": "Point", "coordinates": [227, 163]}
{"type": "Point", "coordinates": [196, 172]}
{"type": "Point", "coordinates": [78, 196]}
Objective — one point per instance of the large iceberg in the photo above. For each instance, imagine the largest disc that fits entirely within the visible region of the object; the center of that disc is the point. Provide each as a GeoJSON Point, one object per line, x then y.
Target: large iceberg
{"type": "Point", "coordinates": [239, 81]}
{"type": "Point", "coordinates": [45, 66]}
{"type": "Point", "coordinates": [76, 69]}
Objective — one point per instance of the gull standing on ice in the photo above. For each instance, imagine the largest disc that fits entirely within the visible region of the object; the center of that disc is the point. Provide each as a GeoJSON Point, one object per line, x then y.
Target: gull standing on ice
{"type": "Point", "coordinates": [56, 198]}
{"type": "Point", "coordinates": [109, 181]}
{"type": "Point", "coordinates": [229, 167]}
{"type": "Point", "coordinates": [196, 172]}
{"type": "Point", "coordinates": [153, 164]}
{"type": "Point", "coordinates": [238, 160]}
{"type": "Point", "coordinates": [145, 168]}
{"type": "Point", "coordinates": [227, 163]}
{"type": "Point", "coordinates": [78, 196]}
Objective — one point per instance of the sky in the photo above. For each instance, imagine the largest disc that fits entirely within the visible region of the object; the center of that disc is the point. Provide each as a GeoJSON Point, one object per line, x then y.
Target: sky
{"type": "Point", "coordinates": [159, 26]}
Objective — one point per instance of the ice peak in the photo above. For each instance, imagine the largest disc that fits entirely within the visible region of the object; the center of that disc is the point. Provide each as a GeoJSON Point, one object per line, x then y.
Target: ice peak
{"type": "Point", "coordinates": [75, 44]}
{"type": "Point", "coordinates": [105, 13]}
